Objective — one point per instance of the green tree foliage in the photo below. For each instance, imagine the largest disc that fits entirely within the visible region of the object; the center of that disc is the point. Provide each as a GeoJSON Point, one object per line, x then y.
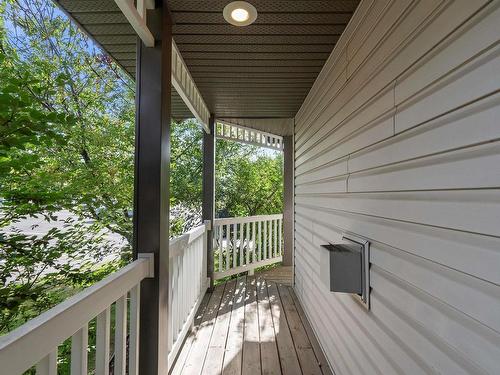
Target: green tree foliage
{"type": "Point", "coordinates": [72, 113]}
{"type": "Point", "coordinates": [249, 179]}
{"type": "Point", "coordinates": [67, 143]}
{"type": "Point", "coordinates": [35, 272]}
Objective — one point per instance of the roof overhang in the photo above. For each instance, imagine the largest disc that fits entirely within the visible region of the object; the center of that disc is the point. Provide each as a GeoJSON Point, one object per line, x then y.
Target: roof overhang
{"type": "Point", "coordinates": [248, 74]}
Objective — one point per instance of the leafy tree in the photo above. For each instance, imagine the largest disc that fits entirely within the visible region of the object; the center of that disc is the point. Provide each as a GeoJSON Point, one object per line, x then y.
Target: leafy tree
{"type": "Point", "coordinates": [249, 179]}
{"type": "Point", "coordinates": [78, 96]}
{"type": "Point", "coordinates": [67, 143]}
{"type": "Point", "coordinates": [36, 274]}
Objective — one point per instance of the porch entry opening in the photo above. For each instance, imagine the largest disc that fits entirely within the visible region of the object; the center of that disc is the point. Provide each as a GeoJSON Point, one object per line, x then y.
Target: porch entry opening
{"type": "Point", "coordinates": [242, 244]}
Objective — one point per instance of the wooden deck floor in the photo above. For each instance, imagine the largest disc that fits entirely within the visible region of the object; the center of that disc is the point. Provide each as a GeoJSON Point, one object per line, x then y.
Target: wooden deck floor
{"type": "Point", "coordinates": [282, 275]}
{"type": "Point", "coordinates": [251, 326]}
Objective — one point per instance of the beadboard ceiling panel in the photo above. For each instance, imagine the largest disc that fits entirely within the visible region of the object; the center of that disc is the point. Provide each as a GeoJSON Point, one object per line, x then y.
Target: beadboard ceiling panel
{"type": "Point", "coordinates": [263, 70]}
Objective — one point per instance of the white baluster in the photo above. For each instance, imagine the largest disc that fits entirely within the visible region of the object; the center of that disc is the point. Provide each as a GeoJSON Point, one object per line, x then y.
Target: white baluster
{"type": "Point", "coordinates": [79, 344]}
{"type": "Point", "coordinates": [270, 243]}
{"type": "Point", "coordinates": [192, 268]}
{"type": "Point", "coordinates": [254, 248]}
{"type": "Point", "coordinates": [219, 236]}
{"type": "Point", "coordinates": [260, 241]}
{"type": "Point", "coordinates": [102, 343]}
{"type": "Point", "coordinates": [120, 335]}
{"type": "Point", "coordinates": [175, 296]}
{"type": "Point", "coordinates": [135, 301]}
{"type": "Point", "coordinates": [170, 317]}
{"type": "Point", "coordinates": [247, 241]}
{"type": "Point", "coordinates": [235, 228]}
{"type": "Point", "coordinates": [48, 365]}
{"type": "Point", "coordinates": [275, 235]}
{"type": "Point", "coordinates": [178, 295]}
{"type": "Point", "coordinates": [182, 294]}
{"type": "Point", "coordinates": [280, 244]}
{"type": "Point", "coordinates": [242, 238]}
{"type": "Point", "coordinates": [228, 254]}
{"type": "Point", "coordinates": [264, 248]}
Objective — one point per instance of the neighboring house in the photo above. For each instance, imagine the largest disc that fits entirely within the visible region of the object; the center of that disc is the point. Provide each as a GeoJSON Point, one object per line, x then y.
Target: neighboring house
{"type": "Point", "coordinates": [388, 116]}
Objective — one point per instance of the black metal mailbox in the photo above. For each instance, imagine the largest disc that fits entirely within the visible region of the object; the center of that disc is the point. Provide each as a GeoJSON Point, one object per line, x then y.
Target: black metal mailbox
{"type": "Point", "coordinates": [345, 267]}
{"type": "Point", "coordinates": [342, 268]}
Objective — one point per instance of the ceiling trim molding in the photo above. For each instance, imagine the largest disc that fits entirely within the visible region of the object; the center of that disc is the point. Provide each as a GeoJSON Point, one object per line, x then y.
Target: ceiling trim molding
{"type": "Point", "coordinates": [137, 18]}
{"type": "Point", "coordinates": [242, 134]}
{"type": "Point", "coordinates": [186, 88]}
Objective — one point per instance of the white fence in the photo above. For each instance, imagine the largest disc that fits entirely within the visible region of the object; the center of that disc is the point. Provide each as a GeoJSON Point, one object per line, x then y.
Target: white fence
{"type": "Point", "coordinates": [245, 243]}
{"type": "Point", "coordinates": [36, 342]}
{"type": "Point", "coordinates": [188, 284]}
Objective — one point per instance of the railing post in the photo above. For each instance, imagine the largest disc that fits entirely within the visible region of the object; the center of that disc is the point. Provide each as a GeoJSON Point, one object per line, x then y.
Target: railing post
{"type": "Point", "coordinates": [151, 195]}
{"type": "Point", "coordinates": [288, 194]}
{"type": "Point", "coordinates": [209, 192]}
{"type": "Point", "coordinates": [209, 228]}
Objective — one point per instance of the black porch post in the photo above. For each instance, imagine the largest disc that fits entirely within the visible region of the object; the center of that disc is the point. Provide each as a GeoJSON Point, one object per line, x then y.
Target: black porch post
{"type": "Point", "coordinates": [151, 195]}
{"type": "Point", "coordinates": [209, 191]}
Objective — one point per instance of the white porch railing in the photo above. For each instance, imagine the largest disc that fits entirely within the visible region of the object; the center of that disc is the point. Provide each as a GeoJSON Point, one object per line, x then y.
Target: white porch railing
{"type": "Point", "coordinates": [188, 284]}
{"type": "Point", "coordinates": [36, 342]}
{"type": "Point", "coordinates": [240, 244]}
{"type": "Point", "coordinates": [245, 243]}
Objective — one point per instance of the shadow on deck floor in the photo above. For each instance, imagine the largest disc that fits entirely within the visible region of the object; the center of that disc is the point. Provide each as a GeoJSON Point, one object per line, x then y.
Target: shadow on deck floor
{"type": "Point", "coordinates": [251, 326]}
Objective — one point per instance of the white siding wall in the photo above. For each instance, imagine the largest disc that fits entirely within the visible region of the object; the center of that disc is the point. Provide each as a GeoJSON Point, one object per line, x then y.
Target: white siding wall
{"type": "Point", "coordinates": [399, 142]}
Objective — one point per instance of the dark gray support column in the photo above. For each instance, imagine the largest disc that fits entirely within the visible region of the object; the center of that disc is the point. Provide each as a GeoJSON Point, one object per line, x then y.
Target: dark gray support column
{"type": "Point", "coordinates": [209, 191]}
{"type": "Point", "coordinates": [151, 195]}
{"type": "Point", "coordinates": [288, 207]}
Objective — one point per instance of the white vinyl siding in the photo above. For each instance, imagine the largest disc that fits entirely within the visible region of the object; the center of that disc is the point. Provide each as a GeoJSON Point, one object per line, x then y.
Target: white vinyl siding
{"type": "Point", "coordinates": [399, 142]}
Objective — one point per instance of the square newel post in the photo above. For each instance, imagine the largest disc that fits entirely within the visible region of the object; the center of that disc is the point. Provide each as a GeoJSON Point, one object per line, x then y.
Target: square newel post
{"type": "Point", "coordinates": [209, 192]}
{"type": "Point", "coordinates": [151, 193]}
{"type": "Point", "coordinates": [288, 201]}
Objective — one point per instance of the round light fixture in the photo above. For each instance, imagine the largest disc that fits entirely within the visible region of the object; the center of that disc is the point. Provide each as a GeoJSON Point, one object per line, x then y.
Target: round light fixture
{"type": "Point", "coordinates": [240, 13]}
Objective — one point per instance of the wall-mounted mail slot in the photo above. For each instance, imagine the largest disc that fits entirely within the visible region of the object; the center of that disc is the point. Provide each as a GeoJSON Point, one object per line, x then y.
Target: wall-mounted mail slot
{"type": "Point", "coordinates": [345, 267]}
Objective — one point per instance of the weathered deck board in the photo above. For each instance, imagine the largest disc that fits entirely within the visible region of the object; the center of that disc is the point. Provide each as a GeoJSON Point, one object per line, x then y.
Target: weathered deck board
{"type": "Point", "coordinates": [279, 275]}
{"type": "Point", "coordinates": [288, 356]}
{"type": "Point", "coordinates": [323, 363]}
{"type": "Point", "coordinates": [234, 344]}
{"type": "Point", "coordinates": [251, 326]}
{"type": "Point", "coordinates": [251, 338]}
{"type": "Point", "coordinates": [215, 353]}
{"type": "Point", "coordinates": [196, 357]}
{"type": "Point", "coordinates": [183, 354]}
{"type": "Point", "coordinates": [268, 350]}
{"type": "Point", "coordinates": [308, 361]}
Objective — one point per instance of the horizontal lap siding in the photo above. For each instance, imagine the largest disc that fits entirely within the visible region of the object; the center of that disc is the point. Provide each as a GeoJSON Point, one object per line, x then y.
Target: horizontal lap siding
{"type": "Point", "coordinates": [399, 142]}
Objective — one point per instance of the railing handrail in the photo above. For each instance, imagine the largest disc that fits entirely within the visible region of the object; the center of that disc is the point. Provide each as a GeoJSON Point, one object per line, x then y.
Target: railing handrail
{"type": "Point", "coordinates": [246, 219]}
{"type": "Point", "coordinates": [28, 344]}
{"type": "Point", "coordinates": [180, 243]}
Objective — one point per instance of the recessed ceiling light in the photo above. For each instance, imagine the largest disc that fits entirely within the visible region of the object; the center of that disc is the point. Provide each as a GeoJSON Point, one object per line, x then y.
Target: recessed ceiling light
{"type": "Point", "coordinates": [240, 13]}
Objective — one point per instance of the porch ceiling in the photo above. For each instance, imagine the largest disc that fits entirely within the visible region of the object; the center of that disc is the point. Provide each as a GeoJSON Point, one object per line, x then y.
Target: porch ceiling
{"type": "Point", "coordinates": [259, 71]}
